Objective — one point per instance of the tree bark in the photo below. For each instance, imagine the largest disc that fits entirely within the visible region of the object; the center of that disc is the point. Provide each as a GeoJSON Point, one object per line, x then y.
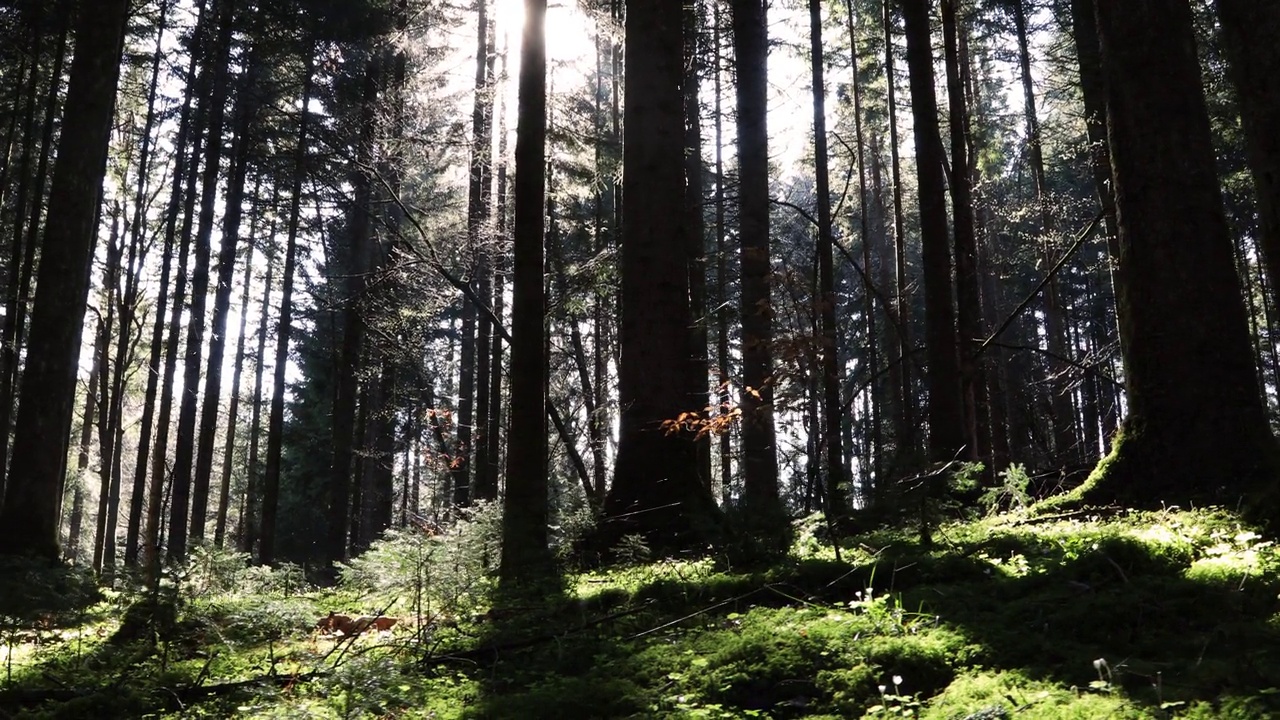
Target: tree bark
{"type": "Point", "coordinates": [29, 519]}
{"type": "Point", "coordinates": [759, 441]}
{"type": "Point", "coordinates": [946, 423]}
{"type": "Point", "coordinates": [833, 409]}
{"type": "Point", "coordinates": [526, 557]}
{"type": "Point", "coordinates": [1197, 428]}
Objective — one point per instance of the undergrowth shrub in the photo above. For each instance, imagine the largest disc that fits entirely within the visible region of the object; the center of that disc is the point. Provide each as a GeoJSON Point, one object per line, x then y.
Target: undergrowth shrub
{"type": "Point", "coordinates": [451, 573]}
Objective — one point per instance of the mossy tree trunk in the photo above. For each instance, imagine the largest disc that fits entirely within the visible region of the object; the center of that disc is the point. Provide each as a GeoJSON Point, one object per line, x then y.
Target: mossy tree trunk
{"type": "Point", "coordinates": [1197, 428]}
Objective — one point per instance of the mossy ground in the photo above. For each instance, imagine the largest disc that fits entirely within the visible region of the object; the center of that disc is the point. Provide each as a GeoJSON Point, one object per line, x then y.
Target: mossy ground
{"type": "Point", "coordinates": [1129, 615]}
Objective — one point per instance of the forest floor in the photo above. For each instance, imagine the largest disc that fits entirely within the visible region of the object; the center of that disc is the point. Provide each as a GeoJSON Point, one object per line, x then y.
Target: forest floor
{"type": "Point", "coordinates": [1086, 615]}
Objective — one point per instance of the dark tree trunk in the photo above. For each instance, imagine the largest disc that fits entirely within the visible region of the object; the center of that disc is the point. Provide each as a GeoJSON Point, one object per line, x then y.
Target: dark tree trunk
{"type": "Point", "coordinates": [905, 422]}
{"type": "Point", "coordinates": [184, 490]}
{"type": "Point", "coordinates": [759, 441]}
{"type": "Point", "coordinates": [946, 422]}
{"type": "Point", "coordinates": [656, 489]}
{"type": "Point", "coordinates": [1197, 428]}
{"type": "Point", "coordinates": [1249, 34]}
{"type": "Point", "coordinates": [241, 153]}
{"type": "Point", "coordinates": [526, 557]}
{"type": "Point", "coordinates": [837, 482]}
{"type": "Point", "coordinates": [353, 327]}
{"type": "Point", "coordinates": [696, 247]}
{"type": "Point", "coordinates": [973, 386]}
{"type": "Point", "coordinates": [275, 425]}
{"type": "Point", "coordinates": [29, 520]}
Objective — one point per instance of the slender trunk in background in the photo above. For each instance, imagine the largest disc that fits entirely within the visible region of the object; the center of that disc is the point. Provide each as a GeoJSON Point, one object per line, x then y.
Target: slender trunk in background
{"type": "Point", "coordinates": [907, 444]}
{"type": "Point", "coordinates": [11, 131]}
{"type": "Point", "coordinates": [759, 441]}
{"type": "Point", "coordinates": [485, 333]}
{"type": "Point", "coordinates": [722, 277]}
{"type": "Point", "coordinates": [29, 519]}
{"type": "Point", "coordinates": [526, 557]}
{"type": "Point", "coordinates": [134, 522]}
{"type": "Point", "coordinates": [837, 480]}
{"type": "Point", "coordinates": [353, 326]}
{"type": "Point", "coordinates": [249, 520]}
{"type": "Point", "coordinates": [1249, 32]}
{"type": "Point", "coordinates": [973, 386]}
{"type": "Point", "coordinates": [696, 248]}
{"type": "Point", "coordinates": [233, 412]}
{"type": "Point", "coordinates": [946, 421]}
{"type": "Point", "coordinates": [185, 443]}
{"type": "Point", "coordinates": [242, 152]}
{"type": "Point", "coordinates": [275, 425]}
{"type": "Point", "coordinates": [106, 400]}
{"type": "Point", "coordinates": [82, 459]}
{"type": "Point", "coordinates": [1063, 413]}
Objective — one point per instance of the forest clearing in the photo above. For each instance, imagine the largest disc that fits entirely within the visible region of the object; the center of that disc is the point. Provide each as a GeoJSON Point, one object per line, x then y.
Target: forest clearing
{"type": "Point", "coordinates": [640, 358]}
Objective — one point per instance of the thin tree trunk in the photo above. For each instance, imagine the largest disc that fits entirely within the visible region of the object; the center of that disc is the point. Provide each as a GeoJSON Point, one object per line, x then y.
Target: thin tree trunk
{"type": "Point", "coordinates": [696, 247]}
{"type": "Point", "coordinates": [275, 425]}
{"type": "Point", "coordinates": [184, 489]}
{"type": "Point", "coordinates": [233, 412]}
{"type": "Point", "coordinates": [722, 279]}
{"type": "Point", "coordinates": [902, 305]}
{"type": "Point", "coordinates": [249, 521]}
{"type": "Point", "coordinates": [837, 481]}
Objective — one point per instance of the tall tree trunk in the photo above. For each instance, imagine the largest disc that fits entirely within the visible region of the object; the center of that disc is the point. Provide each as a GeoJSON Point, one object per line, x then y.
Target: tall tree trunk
{"type": "Point", "coordinates": [233, 412]}
{"type": "Point", "coordinates": [696, 247]}
{"type": "Point", "coordinates": [905, 422]}
{"type": "Point", "coordinates": [946, 422]}
{"type": "Point", "coordinates": [353, 327]}
{"type": "Point", "coordinates": [134, 522]}
{"type": "Point", "coordinates": [82, 459]}
{"type": "Point", "coordinates": [759, 441]}
{"type": "Point", "coordinates": [485, 333]}
{"type": "Point", "coordinates": [526, 557]}
{"type": "Point", "coordinates": [1063, 412]}
{"type": "Point", "coordinates": [1249, 32]}
{"type": "Point", "coordinates": [837, 482]}
{"type": "Point", "coordinates": [973, 386]}
{"type": "Point", "coordinates": [184, 490]}
{"type": "Point", "coordinates": [656, 489]}
{"type": "Point", "coordinates": [249, 520]}
{"type": "Point", "coordinates": [241, 153]}
{"type": "Point", "coordinates": [1197, 428]}
{"type": "Point", "coordinates": [29, 519]}
{"type": "Point", "coordinates": [723, 375]}
{"type": "Point", "coordinates": [275, 425]}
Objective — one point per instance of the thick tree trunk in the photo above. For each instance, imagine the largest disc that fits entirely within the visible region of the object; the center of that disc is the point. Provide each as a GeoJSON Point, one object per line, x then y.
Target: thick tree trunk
{"type": "Point", "coordinates": [973, 386]}
{"type": "Point", "coordinates": [1197, 429]}
{"type": "Point", "coordinates": [29, 520]}
{"type": "Point", "coordinates": [696, 247]}
{"type": "Point", "coordinates": [526, 557]}
{"type": "Point", "coordinates": [656, 489]}
{"type": "Point", "coordinates": [946, 421]}
{"type": "Point", "coordinates": [759, 441]}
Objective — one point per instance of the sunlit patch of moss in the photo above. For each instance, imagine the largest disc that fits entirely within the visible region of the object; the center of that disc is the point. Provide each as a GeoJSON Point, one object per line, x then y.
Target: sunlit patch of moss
{"type": "Point", "coordinates": [997, 695]}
